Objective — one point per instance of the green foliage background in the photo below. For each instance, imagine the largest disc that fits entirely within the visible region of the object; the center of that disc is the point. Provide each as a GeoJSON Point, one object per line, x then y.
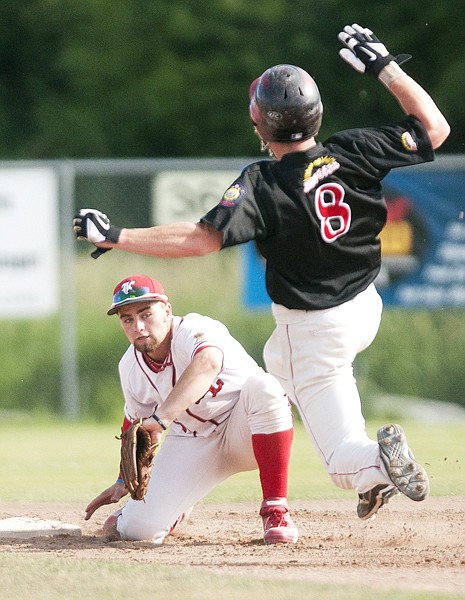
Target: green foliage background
{"type": "Point", "coordinates": [131, 78]}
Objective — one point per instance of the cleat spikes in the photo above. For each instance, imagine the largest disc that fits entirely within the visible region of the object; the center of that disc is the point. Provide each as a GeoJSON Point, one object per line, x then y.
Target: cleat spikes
{"type": "Point", "coordinates": [406, 474]}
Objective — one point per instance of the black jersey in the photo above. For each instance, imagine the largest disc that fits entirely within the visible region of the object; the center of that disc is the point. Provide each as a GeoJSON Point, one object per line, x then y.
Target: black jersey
{"type": "Point", "coordinates": [315, 216]}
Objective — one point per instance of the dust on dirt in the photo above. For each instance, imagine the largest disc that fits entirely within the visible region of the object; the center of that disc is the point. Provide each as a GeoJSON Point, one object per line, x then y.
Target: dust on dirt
{"type": "Point", "coordinates": [409, 546]}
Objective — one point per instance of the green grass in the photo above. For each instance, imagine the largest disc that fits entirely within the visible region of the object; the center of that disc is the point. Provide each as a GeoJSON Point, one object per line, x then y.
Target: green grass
{"type": "Point", "coordinates": [78, 579]}
{"type": "Point", "coordinates": [72, 462]}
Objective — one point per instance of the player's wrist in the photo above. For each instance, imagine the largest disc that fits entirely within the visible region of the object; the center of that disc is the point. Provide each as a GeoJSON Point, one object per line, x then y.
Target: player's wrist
{"type": "Point", "coordinates": [160, 422]}
{"type": "Point", "coordinates": [390, 73]}
{"type": "Point", "coordinates": [113, 234]}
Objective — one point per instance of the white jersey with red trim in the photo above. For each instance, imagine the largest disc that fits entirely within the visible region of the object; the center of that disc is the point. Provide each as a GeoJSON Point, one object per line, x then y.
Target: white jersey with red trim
{"type": "Point", "coordinates": [146, 384]}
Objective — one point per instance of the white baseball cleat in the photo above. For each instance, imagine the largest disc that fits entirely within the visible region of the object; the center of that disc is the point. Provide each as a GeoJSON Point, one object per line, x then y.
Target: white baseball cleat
{"type": "Point", "coordinates": [403, 470]}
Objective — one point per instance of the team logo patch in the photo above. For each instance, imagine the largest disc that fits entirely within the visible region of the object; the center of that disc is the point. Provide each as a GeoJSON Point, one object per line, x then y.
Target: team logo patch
{"type": "Point", "coordinates": [321, 167]}
{"type": "Point", "coordinates": [408, 142]}
{"type": "Point", "coordinates": [232, 195]}
{"type": "Point", "coordinates": [127, 287]}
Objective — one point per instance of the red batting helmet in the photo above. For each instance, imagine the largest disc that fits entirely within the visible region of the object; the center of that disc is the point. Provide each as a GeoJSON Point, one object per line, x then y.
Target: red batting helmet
{"type": "Point", "coordinates": [285, 105]}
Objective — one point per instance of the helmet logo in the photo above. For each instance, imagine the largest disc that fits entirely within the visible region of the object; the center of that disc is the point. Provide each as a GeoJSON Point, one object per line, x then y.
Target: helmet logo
{"type": "Point", "coordinates": [285, 104]}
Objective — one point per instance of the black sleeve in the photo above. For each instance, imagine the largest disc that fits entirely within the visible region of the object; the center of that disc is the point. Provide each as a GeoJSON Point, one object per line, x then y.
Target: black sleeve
{"type": "Point", "coordinates": [399, 144]}
{"type": "Point", "coordinates": [237, 215]}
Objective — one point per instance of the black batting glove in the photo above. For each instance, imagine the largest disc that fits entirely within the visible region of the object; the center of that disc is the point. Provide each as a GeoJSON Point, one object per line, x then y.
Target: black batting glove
{"type": "Point", "coordinates": [364, 52]}
{"type": "Point", "coordinates": [93, 226]}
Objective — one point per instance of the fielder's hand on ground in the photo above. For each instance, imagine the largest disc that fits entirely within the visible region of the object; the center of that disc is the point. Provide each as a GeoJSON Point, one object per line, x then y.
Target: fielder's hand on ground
{"type": "Point", "coordinates": [111, 495]}
{"type": "Point", "coordinates": [364, 52]}
{"type": "Point", "coordinates": [93, 226]}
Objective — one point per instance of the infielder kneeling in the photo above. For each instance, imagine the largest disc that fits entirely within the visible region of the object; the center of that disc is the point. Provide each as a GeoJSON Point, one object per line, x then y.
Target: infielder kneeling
{"type": "Point", "coordinates": [315, 212]}
{"type": "Point", "coordinates": [224, 414]}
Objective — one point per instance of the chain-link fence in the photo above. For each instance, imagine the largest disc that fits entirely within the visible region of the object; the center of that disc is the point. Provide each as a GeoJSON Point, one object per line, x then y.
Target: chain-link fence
{"type": "Point", "coordinates": [133, 193]}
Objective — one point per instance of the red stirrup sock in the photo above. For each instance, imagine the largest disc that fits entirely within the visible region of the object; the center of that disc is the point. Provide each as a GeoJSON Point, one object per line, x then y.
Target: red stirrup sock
{"type": "Point", "coordinates": [272, 453]}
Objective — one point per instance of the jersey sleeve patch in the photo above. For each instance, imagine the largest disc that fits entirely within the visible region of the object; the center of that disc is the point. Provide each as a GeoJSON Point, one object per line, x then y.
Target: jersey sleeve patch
{"type": "Point", "coordinates": [408, 142]}
{"type": "Point", "coordinates": [232, 195]}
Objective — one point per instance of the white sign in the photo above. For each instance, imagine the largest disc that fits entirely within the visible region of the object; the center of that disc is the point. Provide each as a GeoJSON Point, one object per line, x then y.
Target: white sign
{"type": "Point", "coordinates": [28, 242]}
{"type": "Point", "coordinates": [187, 195]}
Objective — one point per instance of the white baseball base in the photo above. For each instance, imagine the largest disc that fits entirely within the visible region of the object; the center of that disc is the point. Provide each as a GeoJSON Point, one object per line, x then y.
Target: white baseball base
{"type": "Point", "coordinates": [28, 527]}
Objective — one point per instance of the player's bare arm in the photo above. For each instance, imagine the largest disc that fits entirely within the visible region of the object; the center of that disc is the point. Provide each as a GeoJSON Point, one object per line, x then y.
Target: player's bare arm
{"type": "Point", "coordinates": [193, 384]}
{"type": "Point", "coordinates": [414, 100]}
{"type": "Point", "coordinates": [175, 240]}
{"type": "Point", "coordinates": [366, 54]}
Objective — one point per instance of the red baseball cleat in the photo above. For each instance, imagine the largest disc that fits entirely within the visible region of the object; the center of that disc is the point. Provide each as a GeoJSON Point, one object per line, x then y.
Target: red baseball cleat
{"type": "Point", "coordinates": [278, 527]}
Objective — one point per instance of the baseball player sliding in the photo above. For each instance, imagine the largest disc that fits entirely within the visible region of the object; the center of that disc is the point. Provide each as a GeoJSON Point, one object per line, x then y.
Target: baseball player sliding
{"type": "Point", "coordinates": [315, 211]}
{"type": "Point", "coordinates": [224, 414]}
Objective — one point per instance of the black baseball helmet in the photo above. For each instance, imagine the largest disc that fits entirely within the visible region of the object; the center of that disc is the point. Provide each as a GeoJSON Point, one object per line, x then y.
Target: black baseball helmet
{"type": "Point", "coordinates": [285, 105]}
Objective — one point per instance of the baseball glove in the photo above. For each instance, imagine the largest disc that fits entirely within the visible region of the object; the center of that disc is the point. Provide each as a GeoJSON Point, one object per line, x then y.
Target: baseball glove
{"type": "Point", "coordinates": [137, 454]}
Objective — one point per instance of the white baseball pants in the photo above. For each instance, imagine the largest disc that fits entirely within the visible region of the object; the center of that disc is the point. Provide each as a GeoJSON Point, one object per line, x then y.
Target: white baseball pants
{"type": "Point", "coordinates": [186, 468]}
{"type": "Point", "coordinates": [311, 354]}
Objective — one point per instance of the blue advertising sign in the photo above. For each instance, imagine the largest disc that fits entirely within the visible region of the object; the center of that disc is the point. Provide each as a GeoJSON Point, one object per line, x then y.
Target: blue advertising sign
{"type": "Point", "coordinates": [423, 241]}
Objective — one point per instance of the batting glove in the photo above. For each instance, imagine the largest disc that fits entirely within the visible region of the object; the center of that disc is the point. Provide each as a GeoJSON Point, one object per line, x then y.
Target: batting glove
{"type": "Point", "coordinates": [93, 226]}
{"type": "Point", "coordinates": [364, 52]}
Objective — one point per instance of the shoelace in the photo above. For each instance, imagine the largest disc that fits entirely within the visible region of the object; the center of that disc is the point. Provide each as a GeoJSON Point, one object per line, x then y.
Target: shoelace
{"type": "Point", "coordinates": [275, 517]}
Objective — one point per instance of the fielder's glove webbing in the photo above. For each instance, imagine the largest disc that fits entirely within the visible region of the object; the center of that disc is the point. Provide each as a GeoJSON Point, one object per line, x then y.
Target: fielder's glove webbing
{"type": "Point", "coordinates": [364, 52]}
{"type": "Point", "coordinates": [137, 454]}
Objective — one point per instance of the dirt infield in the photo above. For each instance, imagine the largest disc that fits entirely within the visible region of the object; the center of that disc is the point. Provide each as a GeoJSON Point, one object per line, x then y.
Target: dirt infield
{"type": "Point", "coordinates": [408, 546]}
